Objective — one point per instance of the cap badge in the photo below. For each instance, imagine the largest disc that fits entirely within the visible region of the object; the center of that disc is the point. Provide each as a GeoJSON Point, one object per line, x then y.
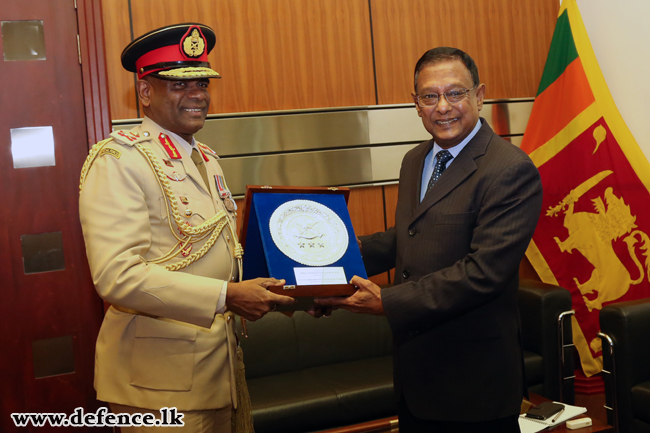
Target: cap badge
{"type": "Point", "coordinates": [193, 44]}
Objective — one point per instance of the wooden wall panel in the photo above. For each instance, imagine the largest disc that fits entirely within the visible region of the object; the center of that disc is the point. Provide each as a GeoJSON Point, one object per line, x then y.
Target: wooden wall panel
{"type": "Point", "coordinates": [93, 69]}
{"type": "Point", "coordinates": [390, 193]}
{"type": "Point", "coordinates": [390, 197]}
{"type": "Point", "coordinates": [55, 302]}
{"type": "Point", "coordinates": [272, 54]}
{"type": "Point", "coordinates": [508, 40]}
{"type": "Point", "coordinates": [117, 35]}
{"type": "Point", "coordinates": [366, 206]}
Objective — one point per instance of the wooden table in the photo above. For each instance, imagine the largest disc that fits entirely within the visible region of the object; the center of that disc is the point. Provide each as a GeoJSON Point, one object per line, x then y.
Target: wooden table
{"type": "Point", "coordinates": [390, 424]}
{"type": "Point", "coordinates": [597, 426]}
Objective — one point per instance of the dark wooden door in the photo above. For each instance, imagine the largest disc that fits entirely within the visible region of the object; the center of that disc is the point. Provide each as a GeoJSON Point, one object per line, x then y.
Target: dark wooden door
{"type": "Point", "coordinates": [49, 311]}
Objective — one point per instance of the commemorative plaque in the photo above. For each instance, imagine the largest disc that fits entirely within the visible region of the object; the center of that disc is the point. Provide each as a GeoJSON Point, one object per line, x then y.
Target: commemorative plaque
{"type": "Point", "coordinates": [301, 235]}
{"type": "Point", "coordinates": [308, 232]}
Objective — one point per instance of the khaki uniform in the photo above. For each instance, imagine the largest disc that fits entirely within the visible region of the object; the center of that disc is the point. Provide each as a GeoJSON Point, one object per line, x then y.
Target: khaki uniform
{"type": "Point", "coordinates": [161, 344]}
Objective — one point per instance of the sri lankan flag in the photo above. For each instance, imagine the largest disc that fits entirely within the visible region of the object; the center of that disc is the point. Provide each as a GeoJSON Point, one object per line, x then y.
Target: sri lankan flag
{"type": "Point", "coordinates": [592, 236]}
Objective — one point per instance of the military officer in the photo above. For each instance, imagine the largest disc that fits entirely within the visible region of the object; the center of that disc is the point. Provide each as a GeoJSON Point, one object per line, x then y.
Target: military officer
{"type": "Point", "coordinates": [159, 226]}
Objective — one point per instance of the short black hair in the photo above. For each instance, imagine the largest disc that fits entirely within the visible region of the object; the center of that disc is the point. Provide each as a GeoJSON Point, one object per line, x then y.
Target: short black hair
{"type": "Point", "coordinates": [440, 54]}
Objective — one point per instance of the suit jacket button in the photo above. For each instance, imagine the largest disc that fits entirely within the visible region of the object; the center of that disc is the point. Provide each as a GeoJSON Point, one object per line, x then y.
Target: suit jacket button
{"type": "Point", "coordinates": [406, 273]}
{"type": "Point", "coordinates": [412, 231]}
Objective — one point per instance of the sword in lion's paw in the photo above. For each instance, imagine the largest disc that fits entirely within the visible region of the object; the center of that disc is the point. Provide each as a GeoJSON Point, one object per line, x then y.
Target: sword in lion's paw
{"type": "Point", "coordinates": [578, 192]}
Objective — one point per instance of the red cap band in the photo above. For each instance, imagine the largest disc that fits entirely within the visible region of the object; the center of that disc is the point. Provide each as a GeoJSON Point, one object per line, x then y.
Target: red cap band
{"type": "Point", "coordinates": [171, 53]}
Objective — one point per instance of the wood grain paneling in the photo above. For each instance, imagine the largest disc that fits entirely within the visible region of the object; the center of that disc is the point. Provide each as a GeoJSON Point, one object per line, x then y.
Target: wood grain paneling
{"type": "Point", "coordinates": [93, 69]}
{"type": "Point", "coordinates": [117, 35]}
{"type": "Point", "coordinates": [508, 40]}
{"type": "Point", "coordinates": [272, 54]}
{"type": "Point", "coordinates": [390, 194]}
{"type": "Point", "coordinates": [390, 197]}
{"type": "Point", "coordinates": [45, 305]}
{"type": "Point", "coordinates": [366, 206]}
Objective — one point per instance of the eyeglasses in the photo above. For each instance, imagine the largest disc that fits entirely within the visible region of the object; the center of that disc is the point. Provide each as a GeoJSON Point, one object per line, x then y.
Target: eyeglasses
{"type": "Point", "coordinates": [452, 96]}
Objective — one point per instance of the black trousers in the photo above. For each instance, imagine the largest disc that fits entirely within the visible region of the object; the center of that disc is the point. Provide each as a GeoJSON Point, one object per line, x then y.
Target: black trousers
{"type": "Point", "coordinates": [408, 423]}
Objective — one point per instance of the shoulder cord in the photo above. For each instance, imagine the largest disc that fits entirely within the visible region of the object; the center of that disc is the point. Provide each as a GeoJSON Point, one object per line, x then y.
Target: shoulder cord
{"type": "Point", "coordinates": [191, 234]}
{"type": "Point", "coordinates": [90, 159]}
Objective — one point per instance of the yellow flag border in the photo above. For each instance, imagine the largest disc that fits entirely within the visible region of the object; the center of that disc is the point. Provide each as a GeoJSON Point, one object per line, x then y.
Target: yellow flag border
{"type": "Point", "coordinates": [603, 96]}
{"type": "Point", "coordinates": [562, 139]}
{"type": "Point", "coordinates": [539, 263]}
{"type": "Point", "coordinates": [606, 107]}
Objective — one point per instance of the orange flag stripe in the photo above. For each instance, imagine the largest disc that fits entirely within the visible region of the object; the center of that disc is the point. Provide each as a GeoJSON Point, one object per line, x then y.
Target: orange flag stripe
{"type": "Point", "coordinates": [557, 106]}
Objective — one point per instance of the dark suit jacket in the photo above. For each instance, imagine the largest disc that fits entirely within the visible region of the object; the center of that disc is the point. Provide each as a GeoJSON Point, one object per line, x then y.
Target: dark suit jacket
{"type": "Point", "coordinates": [453, 308]}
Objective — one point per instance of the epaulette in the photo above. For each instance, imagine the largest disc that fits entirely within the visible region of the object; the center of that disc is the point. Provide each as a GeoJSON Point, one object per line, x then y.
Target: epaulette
{"type": "Point", "coordinates": [97, 150]}
{"type": "Point", "coordinates": [129, 138]}
{"type": "Point", "coordinates": [207, 149]}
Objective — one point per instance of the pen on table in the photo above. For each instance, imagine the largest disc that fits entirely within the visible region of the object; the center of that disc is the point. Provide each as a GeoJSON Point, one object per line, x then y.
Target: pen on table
{"type": "Point", "coordinates": [558, 415]}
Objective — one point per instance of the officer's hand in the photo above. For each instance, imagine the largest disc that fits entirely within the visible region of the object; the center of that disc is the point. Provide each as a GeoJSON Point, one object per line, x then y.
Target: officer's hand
{"type": "Point", "coordinates": [367, 298]}
{"type": "Point", "coordinates": [251, 299]}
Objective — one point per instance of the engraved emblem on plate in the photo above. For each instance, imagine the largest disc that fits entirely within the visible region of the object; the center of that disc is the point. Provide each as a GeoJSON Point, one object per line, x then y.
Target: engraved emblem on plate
{"type": "Point", "coordinates": [193, 45]}
{"type": "Point", "coordinates": [309, 233]}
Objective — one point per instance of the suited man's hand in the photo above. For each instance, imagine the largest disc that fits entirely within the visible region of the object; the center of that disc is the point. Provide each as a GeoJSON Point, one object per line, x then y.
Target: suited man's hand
{"type": "Point", "coordinates": [251, 299]}
{"type": "Point", "coordinates": [367, 298]}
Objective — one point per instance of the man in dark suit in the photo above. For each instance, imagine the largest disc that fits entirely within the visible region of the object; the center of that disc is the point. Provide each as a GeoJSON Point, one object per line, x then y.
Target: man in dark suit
{"type": "Point", "coordinates": [467, 208]}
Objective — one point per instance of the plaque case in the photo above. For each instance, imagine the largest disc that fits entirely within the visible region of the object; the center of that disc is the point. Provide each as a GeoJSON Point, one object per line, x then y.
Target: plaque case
{"type": "Point", "coordinates": [264, 256]}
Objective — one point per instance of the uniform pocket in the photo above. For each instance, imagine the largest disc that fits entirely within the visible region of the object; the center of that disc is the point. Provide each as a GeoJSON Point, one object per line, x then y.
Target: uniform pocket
{"type": "Point", "coordinates": [163, 355]}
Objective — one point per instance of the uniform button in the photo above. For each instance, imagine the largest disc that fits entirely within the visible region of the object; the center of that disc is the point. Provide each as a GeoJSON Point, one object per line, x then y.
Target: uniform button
{"type": "Point", "coordinates": [188, 212]}
{"type": "Point", "coordinates": [232, 279]}
{"type": "Point", "coordinates": [229, 319]}
{"type": "Point", "coordinates": [412, 231]}
{"type": "Point", "coordinates": [406, 273]}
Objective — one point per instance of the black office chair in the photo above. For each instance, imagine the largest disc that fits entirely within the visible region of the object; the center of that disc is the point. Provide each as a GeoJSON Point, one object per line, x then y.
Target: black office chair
{"type": "Point", "coordinates": [625, 333]}
{"type": "Point", "coordinates": [545, 311]}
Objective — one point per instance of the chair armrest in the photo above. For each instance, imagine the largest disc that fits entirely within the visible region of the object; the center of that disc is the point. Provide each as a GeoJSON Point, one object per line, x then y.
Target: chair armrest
{"type": "Point", "coordinates": [541, 306]}
{"type": "Point", "coordinates": [625, 331]}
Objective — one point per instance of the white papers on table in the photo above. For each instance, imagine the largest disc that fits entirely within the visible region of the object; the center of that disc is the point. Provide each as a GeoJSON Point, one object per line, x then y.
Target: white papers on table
{"type": "Point", "coordinates": [531, 425]}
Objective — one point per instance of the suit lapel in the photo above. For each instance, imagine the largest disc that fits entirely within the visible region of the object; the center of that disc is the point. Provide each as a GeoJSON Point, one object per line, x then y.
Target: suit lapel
{"type": "Point", "coordinates": [460, 169]}
{"type": "Point", "coordinates": [412, 175]}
